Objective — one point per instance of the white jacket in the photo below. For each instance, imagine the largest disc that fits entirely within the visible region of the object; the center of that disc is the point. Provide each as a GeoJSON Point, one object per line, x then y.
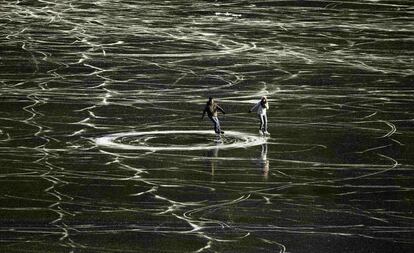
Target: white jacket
{"type": "Point", "coordinates": [260, 109]}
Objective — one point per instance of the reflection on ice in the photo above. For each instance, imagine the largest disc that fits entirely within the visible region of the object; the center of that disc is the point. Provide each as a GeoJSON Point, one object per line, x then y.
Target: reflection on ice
{"type": "Point", "coordinates": [263, 161]}
{"type": "Point", "coordinates": [211, 160]}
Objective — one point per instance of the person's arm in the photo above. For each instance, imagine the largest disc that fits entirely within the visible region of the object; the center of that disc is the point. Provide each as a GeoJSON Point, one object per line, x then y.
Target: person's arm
{"type": "Point", "coordinates": [267, 105]}
{"type": "Point", "coordinates": [254, 108]}
{"type": "Point", "coordinates": [220, 109]}
{"type": "Point", "coordinates": [204, 113]}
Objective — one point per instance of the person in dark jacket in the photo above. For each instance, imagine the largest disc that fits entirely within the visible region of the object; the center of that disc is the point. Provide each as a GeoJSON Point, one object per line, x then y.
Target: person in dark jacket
{"type": "Point", "coordinates": [212, 110]}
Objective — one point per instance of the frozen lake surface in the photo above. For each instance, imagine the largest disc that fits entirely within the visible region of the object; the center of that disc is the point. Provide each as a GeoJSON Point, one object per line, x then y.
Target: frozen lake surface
{"type": "Point", "coordinates": [102, 148]}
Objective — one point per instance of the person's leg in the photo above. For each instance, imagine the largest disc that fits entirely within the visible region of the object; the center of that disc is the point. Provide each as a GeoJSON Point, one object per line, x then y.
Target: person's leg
{"type": "Point", "coordinates": [216, 125]}
{"type": "Point", "coordinates": [261, 123]}
{"type": "Point", "coordinates": [265, 123]}
{"type": "Point", "coordinates": [219, 127]}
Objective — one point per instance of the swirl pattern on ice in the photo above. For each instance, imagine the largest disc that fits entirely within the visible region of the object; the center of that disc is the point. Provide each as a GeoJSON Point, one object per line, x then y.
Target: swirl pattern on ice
{"type": "Point", "coordinates": [233, 139]}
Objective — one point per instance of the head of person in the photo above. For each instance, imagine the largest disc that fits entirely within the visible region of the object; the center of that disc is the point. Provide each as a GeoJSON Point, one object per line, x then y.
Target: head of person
{"type": "Point", "coordinates": [264, 99]}
{"type": "Point", "coordinates": [210, 100]}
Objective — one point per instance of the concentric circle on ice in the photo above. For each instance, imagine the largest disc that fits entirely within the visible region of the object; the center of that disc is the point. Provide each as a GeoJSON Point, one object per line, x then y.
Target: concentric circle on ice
{"type": "Point", "coordinates": [237, 140]}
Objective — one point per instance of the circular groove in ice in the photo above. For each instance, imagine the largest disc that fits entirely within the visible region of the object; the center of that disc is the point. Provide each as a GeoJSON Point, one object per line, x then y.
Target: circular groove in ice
{"type": "Point", "coordinates": [237, 140]}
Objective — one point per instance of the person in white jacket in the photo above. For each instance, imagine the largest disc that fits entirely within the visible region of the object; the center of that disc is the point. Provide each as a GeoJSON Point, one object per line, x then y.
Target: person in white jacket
{"type": "Point", "coordinates": [261, 107]}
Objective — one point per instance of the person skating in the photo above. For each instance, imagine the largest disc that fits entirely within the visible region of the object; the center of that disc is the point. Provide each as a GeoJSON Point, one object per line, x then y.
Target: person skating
{"type": "Point", "coordinates": [261, 107]}
{"type": "Point", "coordinates": [212, 109]}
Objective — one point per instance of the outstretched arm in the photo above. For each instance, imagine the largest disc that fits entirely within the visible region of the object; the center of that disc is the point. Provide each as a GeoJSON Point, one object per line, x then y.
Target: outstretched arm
{"type": "Point", "coordinates": [204, 113]}
{"type": "Point", "coordinates": [220, 109]}
{"type": "Point", "coordinates": [254, 108]}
